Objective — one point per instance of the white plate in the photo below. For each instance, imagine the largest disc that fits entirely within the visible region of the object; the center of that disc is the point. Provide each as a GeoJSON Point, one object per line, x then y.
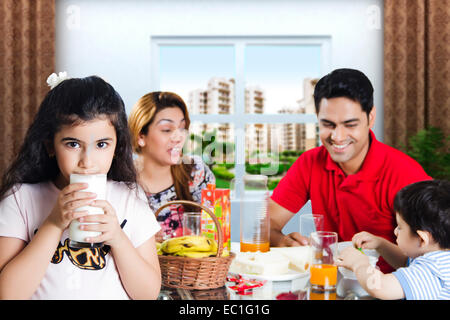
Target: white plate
{"type": "Point", "coordinates": [291, 275]}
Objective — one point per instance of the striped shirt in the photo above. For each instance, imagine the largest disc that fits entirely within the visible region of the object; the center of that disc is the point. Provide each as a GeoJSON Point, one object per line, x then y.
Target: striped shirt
{"type": "Point", "coordinates": [427, 277]}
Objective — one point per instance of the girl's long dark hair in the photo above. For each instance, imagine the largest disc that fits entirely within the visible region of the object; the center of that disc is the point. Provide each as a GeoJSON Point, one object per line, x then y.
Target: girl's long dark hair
{"type": "Point", "coordinates": [72, 101]}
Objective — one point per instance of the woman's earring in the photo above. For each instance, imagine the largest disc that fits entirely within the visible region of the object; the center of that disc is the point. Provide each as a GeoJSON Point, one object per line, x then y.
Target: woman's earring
{"type": "Point", "coordinates": [141, 143]}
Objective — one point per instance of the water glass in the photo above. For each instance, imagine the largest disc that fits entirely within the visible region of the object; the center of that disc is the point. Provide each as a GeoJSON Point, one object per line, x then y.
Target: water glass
{"type": "Point", "coordinates": [323, 271]}
{"type": "Point", "coordinates": [191, 223]}
{"type": "Point", "coordinates": [310, 222]}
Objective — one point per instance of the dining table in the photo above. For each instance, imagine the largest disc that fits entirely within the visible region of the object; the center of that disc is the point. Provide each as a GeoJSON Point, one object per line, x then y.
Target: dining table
{"type": "Point", "coordinates": [284, 288]}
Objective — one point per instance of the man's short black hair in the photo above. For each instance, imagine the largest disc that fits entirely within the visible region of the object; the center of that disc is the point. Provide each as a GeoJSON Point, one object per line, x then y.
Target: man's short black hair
{"type": "Point", "coordinates": [348, 83]}
{"type": "Point", "coordinates": [425, 206]}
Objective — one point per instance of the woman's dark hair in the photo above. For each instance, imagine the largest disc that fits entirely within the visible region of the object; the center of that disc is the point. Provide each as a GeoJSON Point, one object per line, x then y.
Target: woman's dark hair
{"type": "Point", "coordinates": [72, 101]}
{"type": "Point", "coordinates": [348, 83]}
{"type": "Point", "coordinates": [425, 205]}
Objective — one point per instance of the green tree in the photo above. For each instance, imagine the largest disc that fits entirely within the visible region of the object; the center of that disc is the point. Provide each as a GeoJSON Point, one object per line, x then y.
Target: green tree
{"type": "Point", "coordinates": [430, 148]}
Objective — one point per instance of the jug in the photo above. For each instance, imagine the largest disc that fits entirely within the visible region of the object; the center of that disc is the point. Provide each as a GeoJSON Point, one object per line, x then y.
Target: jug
{"type": "Point", "coordinates": [254, 220]}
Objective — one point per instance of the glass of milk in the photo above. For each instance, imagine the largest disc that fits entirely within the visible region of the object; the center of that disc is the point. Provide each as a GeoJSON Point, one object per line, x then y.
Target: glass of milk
{"type": "Point", "coordinates": [97, 184]}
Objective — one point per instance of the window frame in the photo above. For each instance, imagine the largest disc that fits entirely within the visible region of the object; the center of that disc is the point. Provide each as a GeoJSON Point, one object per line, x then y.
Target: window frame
{"type": "Point", "coordinates": [239, 118]}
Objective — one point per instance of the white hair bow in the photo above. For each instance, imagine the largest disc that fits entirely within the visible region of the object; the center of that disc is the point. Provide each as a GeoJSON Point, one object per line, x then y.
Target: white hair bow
{"type": "Point", "coordinates": [54, 79]}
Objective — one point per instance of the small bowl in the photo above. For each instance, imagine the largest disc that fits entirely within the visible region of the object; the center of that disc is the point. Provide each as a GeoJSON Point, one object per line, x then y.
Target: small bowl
{"type": "Point", "coordinates": [371, 253]}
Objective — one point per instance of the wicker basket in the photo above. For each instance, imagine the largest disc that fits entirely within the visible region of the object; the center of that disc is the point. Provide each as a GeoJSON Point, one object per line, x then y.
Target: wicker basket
{"type": "Point", "coordinates": [195, 273]}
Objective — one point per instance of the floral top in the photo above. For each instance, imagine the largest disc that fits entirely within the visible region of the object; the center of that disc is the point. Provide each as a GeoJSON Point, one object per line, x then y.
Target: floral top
{"type": "Point", "coordinates": [170, 218]}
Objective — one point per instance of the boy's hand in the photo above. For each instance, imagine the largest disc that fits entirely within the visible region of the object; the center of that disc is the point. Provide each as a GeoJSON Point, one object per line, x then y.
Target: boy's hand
{"type": "Point", "coordinates": [366, 240]}
{"type": "Point", "coordinates": [351, 258]}
{"type": "Point", "coordinates": [106, 223]}
{"type": "Point", "coordinates": [69, 199]}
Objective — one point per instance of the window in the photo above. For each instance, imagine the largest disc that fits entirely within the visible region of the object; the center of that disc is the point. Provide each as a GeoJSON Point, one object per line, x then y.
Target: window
{"type": "Point", "coordinates": [250, 98]}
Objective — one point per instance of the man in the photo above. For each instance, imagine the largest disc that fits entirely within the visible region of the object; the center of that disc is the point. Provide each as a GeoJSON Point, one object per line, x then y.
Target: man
{"type": "Point", "coordinates": [352, 178]}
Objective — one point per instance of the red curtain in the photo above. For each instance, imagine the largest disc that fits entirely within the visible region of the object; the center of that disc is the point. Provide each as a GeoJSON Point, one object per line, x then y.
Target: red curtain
{"type": "Point", "coordinates": [416, 68]}
{"type": "Point", "coordinates": [27, 58]}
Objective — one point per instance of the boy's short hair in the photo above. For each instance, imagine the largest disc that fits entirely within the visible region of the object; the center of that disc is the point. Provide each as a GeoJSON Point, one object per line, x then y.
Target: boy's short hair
{"type": "Point", "coordinates": [348, 83]}
{"type": "Point", "coordinates": [425, 205]}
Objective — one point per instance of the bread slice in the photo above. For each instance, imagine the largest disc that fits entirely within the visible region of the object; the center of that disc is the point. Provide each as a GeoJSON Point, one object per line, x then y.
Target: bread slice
{"type": "Point", "coordinates": [300, 258]}
{"type": "Point", "coordinates": [258, 263]}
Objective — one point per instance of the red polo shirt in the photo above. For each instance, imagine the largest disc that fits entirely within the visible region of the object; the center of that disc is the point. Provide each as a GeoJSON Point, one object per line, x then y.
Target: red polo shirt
{"type": "Point", "coordinates": [350, 204]}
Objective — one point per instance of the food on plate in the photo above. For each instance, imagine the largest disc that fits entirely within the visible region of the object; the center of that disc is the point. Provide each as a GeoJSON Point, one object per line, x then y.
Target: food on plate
{"type": "Point", "coordinates": [277, 261]}
{"type": "Point", "coordinates": [300, 258]}
{"type": "Point", "coordinates": [261, 263]}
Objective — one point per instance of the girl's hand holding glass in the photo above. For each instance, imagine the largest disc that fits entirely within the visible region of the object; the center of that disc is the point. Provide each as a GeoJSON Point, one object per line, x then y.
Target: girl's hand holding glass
{"type": "Point", "coordinates": [106, 223]}
{"type": "Point", "coordinates": [70, 198]}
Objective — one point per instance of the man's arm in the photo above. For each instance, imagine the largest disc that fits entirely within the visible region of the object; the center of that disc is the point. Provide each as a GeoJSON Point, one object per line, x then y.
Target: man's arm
{"type": "Point", "coordinates": [279, 216]}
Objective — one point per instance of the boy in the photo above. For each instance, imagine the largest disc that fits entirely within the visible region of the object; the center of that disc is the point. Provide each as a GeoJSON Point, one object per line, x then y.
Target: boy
{"type": "Point", "coordinates": [423, 234]}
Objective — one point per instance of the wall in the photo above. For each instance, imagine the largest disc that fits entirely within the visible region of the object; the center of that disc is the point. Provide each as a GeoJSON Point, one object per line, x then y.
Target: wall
{"type": "Point", "coordinates": [111, 38]}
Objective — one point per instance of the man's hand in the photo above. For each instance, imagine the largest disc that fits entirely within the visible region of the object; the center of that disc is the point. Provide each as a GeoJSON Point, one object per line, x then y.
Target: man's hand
{"type": "Point", "coordinates": [293, 239]}
{"type": "Point", "coordinates": [279, 216]}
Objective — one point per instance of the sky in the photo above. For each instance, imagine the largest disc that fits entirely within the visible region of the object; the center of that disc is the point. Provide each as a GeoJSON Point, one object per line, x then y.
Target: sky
{"type": "Point", "coordinates": [277, 69]}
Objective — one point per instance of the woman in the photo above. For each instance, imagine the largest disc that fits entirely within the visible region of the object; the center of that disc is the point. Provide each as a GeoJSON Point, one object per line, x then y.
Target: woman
{"type": "Point", "coordinates": [159, 124]}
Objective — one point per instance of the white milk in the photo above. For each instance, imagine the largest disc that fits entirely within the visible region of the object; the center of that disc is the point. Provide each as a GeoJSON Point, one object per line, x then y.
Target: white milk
{"type": "Point", "coordinates": [97, 184]}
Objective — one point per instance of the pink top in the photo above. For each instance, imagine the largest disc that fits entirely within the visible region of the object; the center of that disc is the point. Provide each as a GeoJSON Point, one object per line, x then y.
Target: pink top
{"type": "Point", "coordinates": [77, 273]}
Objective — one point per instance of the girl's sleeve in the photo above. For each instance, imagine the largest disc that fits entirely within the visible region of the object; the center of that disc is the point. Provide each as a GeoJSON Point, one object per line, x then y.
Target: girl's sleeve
{"type": "Point", "coordinates": [13, 221]}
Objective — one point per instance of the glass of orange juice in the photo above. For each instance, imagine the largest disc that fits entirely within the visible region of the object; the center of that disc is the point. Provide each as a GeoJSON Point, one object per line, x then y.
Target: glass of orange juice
{"type": "Point", "coordinates": [255, 224]}
{"type": "Point", "coordinates": [323, 271]}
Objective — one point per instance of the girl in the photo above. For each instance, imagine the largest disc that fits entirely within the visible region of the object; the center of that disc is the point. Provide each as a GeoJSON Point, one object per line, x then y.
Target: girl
{"type": "Point", "coordinates": [81, 127]}
{"type": "Point", "coordinates": [159, 124]}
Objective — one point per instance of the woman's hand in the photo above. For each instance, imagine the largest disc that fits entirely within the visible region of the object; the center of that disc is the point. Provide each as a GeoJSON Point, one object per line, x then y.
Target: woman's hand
{"type": "Point", "coordinates": [69, 199]}
{"type": "Point", "coordinates": [366, 240]}
{"type": "Point", "coordinates": [106, 223]}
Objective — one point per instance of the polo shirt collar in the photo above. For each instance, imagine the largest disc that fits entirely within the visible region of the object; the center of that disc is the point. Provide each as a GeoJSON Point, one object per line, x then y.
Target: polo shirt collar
{"type": "Point", "coordinates": [371, 166]}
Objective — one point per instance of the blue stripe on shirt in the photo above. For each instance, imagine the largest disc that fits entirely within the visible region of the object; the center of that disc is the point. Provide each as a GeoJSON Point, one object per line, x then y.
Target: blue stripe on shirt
{"type": "Point", "coordinates": [427, 277]}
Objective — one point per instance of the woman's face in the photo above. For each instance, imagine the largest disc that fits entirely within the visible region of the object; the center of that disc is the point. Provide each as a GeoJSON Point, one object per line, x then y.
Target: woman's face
{"type": "Point", "coordinates": [165, 138]}
{"type": "Point", "coordinates": [85, 148]}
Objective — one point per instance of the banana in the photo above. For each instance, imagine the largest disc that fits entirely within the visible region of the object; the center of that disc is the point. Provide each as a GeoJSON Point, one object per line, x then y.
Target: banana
{"type": "Point", "coordinates": [195, 254]}
{"type": "Point", "coordinates": [190, 246]}
{"type": "Point", "coordinates": [213, 246]}
{"type": "Point", "coordinates": [187, 244]}
{"type": "Point", "coordinates": [200, 254]}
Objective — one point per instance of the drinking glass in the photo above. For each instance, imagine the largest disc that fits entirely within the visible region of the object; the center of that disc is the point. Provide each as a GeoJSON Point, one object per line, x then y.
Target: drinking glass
{"type": "Point", "coordinates": [191, 223]}
{"type": "Point", "coordinates": [254, 220]}
{"type": "Point", "coordinates": [310, 222]}
{"type": "Point", "coordinates": [323, 271]}
{"type": "Point", "coordinates": [97, 184]}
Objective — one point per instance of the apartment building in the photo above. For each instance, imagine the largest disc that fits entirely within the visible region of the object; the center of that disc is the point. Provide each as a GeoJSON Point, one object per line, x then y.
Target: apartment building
{"type": "Point", "coordinates": [308, 134]}
{"type": "Point", "coordinates": [219, 98]}
{"type": "Point", "coordinates": [297, 136]}
{"type": "Point", "coordinates": [256, 133]}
